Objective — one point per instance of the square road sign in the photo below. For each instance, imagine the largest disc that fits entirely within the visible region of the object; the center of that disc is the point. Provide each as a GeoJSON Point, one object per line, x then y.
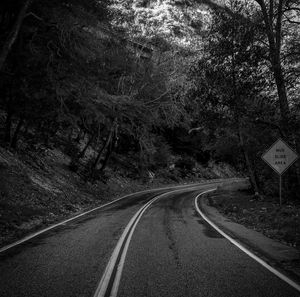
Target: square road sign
{"type": "Point", "coordinates": [280, 156]}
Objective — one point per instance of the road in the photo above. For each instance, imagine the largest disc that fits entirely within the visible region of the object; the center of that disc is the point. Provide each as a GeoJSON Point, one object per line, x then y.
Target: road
{"type": "Point", "coordinates": [172, 253]}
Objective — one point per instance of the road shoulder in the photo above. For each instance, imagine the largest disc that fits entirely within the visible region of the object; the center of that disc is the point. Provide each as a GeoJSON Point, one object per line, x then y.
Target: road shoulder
{"type": "Point", "coordinates": [278, 255]}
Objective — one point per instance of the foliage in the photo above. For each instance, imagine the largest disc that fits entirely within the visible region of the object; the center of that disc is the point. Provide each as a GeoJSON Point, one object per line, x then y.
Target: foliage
{"type": "Point", "coordinates": [185, 164]}
{"type": "Point", "coordinates": [235, 93]}
{"type": "Point", "coordinates": [71, 72]}
{"type": "Point", "coordinates": [147, 80]}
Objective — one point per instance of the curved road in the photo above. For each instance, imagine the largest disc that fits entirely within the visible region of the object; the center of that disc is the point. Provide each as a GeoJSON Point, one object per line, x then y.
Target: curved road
{"type": "Point", "coordinates": [172, 253]}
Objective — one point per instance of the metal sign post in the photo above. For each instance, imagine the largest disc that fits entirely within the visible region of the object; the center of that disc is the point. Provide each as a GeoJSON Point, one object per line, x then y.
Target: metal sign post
{"type": "Point", "coordinates": [280, 190]}
{"type": "Point", "coordinates": [280, 157]}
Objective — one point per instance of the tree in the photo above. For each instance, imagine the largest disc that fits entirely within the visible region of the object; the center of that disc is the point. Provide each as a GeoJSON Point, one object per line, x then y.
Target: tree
{"type": "Point", "coordinates": [15, 28]}
{"type": "Point", "coordinates": [228, 79]}
{"type": "Point", "coordinates": [273, 13]}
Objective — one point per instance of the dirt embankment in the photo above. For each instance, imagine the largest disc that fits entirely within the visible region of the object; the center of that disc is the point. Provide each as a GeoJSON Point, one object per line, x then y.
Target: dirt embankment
{"type": "Point", "coordinates": [38, 189]}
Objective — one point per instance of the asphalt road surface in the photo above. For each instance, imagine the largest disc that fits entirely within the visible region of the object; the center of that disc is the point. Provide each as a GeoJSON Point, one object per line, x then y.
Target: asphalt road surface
{"type": "Point", "coordinates": [172, 253]}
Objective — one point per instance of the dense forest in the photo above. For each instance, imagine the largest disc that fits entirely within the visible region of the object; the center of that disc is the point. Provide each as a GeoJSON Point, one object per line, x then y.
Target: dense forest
{"type": "Point", "coordinates": [152, 85]}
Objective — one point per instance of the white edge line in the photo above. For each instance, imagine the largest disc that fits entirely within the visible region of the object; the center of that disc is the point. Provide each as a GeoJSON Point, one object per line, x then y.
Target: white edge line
{"type": "Point", "coordinates": [26, 238]}
{"type": "Point", "coordinates": [101, 288]}
{"type": "Point", "coordinates": [249, 253]}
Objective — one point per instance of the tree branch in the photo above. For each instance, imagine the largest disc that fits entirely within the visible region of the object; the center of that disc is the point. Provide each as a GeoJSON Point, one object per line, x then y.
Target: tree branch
{"type": "Point", "coordinates": [14, 33]}
{"type": "Point", "coordinates": [278, 26]}
{"type": "Point", "coordinates": [270, 124]}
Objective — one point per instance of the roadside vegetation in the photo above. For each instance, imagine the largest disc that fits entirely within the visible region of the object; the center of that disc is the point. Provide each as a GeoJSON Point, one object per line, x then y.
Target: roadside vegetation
{"type": "Point", "coordinates": [38, 190]}
{"type": "Point", "coordinates": [281, 223]}
{"type": "Point", "coordinates": [143, 91]}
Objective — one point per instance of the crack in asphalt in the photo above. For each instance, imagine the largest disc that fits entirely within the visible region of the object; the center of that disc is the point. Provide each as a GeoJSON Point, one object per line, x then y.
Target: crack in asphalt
{"type": "Point", "coordinates": [169, 233]}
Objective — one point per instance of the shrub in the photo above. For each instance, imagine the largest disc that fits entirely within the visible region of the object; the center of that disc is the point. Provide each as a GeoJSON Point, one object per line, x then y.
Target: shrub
{"type": "Point", "coordinates": [168, 175]}
{"type": "Point", "coordinates": [185, 163]}
{"type": "Point", "coordinates": [162, 156]}
{"type": "Point", "coordinates": [71, 149]}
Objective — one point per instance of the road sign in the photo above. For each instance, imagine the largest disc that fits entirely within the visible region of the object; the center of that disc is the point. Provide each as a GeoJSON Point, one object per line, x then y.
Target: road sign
{"type": "Point", "coordinates": [280, 156]}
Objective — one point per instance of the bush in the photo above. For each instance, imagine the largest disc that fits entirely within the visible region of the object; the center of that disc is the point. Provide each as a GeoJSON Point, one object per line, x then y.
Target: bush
{"type": "Point", "coordinates": [73, 166]}
{"type": "Point", "coordinates": [185, 163]}
{"type": "Point", "coordinates": [168, 175]}
{"type": "Point", "coordinates": [162, 156]}
{"type": "Point", "coordinates": [92, 175]}
{"type": "Point", "coordinates": [71, 149]}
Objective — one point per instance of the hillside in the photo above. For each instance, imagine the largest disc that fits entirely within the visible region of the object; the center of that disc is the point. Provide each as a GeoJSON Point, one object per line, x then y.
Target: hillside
{"type": "Point", "coordinates": [102, 96]}
{"type": "Point", "coordinates": [38, 189]}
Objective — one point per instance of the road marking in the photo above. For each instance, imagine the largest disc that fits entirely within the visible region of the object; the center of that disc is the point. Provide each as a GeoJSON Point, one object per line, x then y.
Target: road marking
{"type": "Point", "coordinates": [241, 247]}
{"type": "Point", "coordinates": [109, 283]}
{"type": "Point", "coordinates": [30, 236]}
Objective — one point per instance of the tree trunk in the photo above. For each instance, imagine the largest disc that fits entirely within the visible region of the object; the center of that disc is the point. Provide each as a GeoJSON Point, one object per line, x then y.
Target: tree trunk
{"type": "Point", "coordinates": [14, 140]}
{"type": "Point", "coordinates": [98, 157]}
{"type": "Point", "coordinates": [108, 154]}
{"type": "Point", "coordinates": [80, 135]}
{"type": "Point", "coordinates": [70, 134]}
{"type": "Point", "coordinates": [282, 95]}
{"type": "Point", "coordinates": [105, 146]}
{"type": "Point", "coordinates": [248, 162]}
{"type": "Point", "coordinates": [7, 135]}
{"type": "Point", "coordinates": [274, 34]}
{"type": "Point", "coordinates": [275, 40]}
{"type": "Point", "coordinates": [141, 164]}
{"type": "Point", "coordinates": [45, 134]}
{"type": "Point", "coordinates": [82, 153]}
{"type": "Point", "coordinates": [297, 163]}
{"type": "Point", "coordinates": [14, 33]}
